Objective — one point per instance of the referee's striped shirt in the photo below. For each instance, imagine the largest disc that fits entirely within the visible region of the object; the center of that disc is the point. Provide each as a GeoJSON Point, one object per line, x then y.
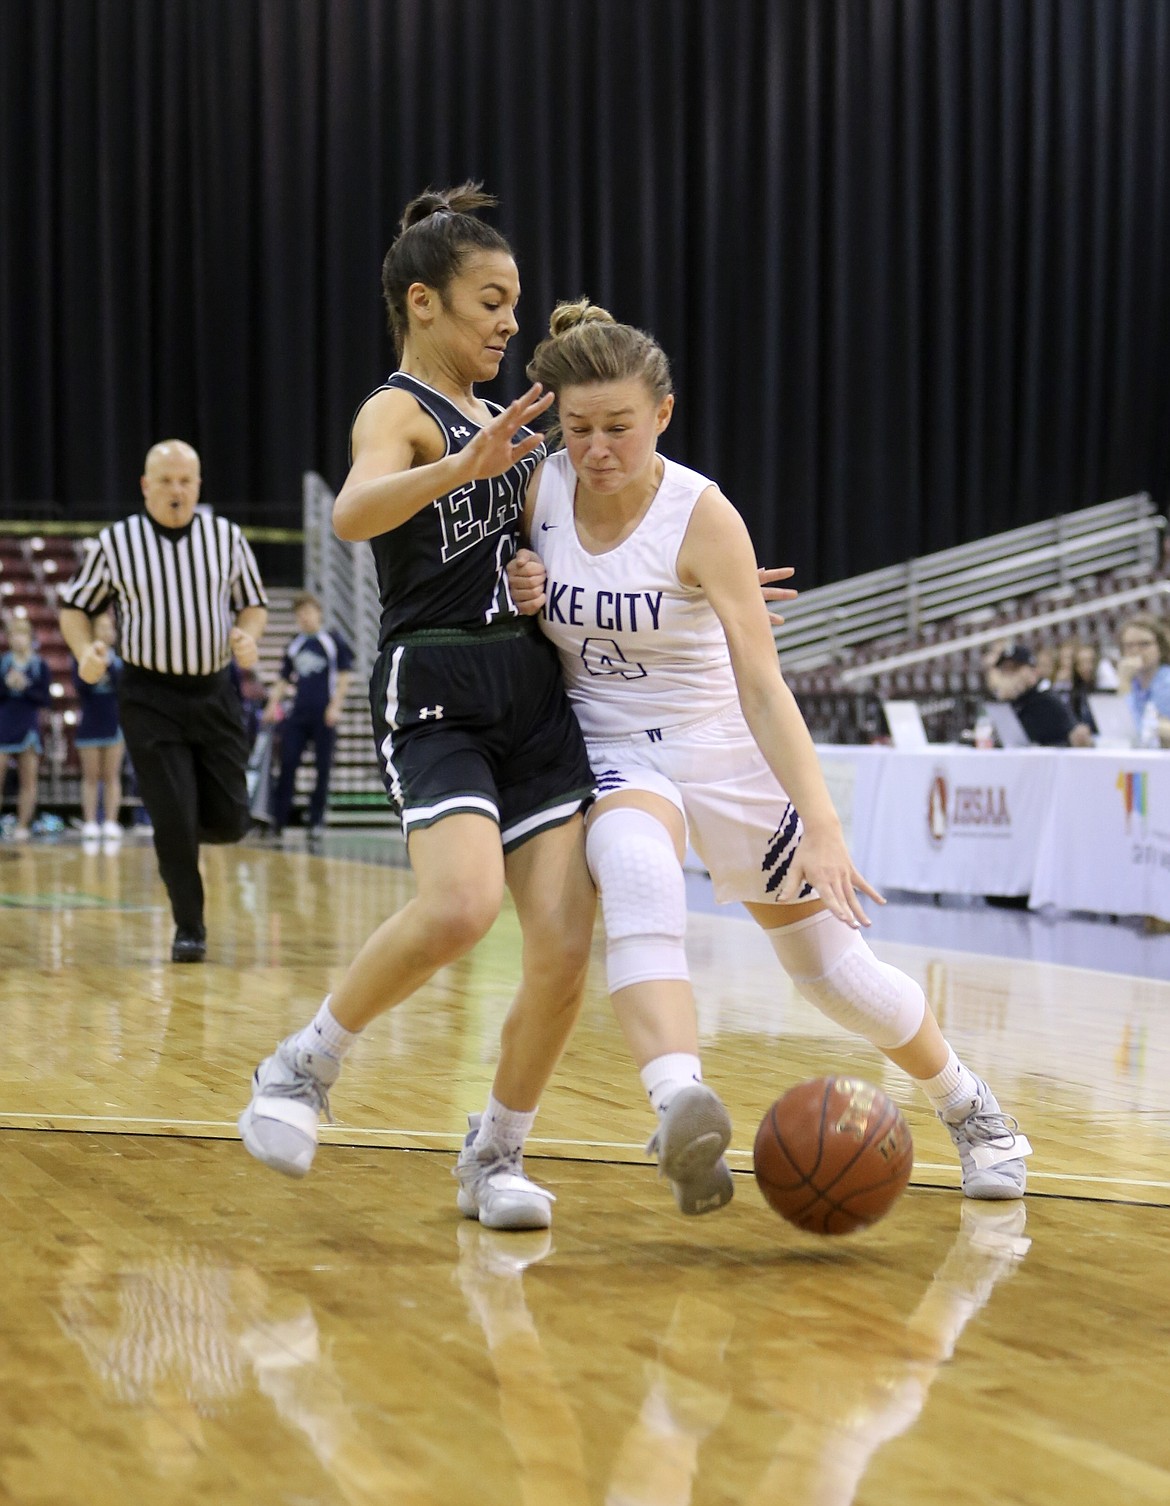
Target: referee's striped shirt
{"type": "Point", "coordinates": [176, 591]}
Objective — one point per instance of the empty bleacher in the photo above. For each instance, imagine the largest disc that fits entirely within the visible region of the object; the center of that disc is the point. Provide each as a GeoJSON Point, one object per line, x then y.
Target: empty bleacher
{"type": "Point", "coordinates": [918, 631]}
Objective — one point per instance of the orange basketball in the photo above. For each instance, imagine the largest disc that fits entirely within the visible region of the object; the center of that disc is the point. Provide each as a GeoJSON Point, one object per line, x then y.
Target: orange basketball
{"type": "Point", "coordinates": [833, 1155]}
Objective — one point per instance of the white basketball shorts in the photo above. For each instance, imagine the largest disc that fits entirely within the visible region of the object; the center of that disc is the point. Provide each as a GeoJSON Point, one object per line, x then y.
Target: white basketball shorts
{"type": "Point", "coordinates": [739, 820]}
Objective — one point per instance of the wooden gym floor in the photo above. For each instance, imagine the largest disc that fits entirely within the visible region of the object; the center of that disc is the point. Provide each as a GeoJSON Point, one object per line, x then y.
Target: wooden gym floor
{"type": "Point", "coordinates": [178, 1324]}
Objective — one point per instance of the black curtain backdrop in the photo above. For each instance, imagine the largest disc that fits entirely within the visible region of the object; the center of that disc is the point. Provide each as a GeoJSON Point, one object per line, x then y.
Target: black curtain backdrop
{"type": "Point", "coordinates": [909, 257]}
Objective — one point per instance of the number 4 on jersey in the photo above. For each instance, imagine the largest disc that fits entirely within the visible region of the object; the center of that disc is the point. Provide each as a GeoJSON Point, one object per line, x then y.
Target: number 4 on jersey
{"type": "Point", "coordinates": [602, 656]}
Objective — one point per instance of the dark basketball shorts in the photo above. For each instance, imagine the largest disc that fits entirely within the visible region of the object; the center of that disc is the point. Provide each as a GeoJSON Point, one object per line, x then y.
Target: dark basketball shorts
{"type": "Point", "coordinates": [478, 721]}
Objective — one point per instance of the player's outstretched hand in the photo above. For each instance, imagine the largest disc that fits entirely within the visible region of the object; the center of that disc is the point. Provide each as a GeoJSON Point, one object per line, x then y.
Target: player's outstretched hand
{"type": "Point", "coordinates": [94, 662]}
{"type": "Point", "coordinates": [244, 649]}
{"type": "Point", "coordinates": [776, 593]}
{"type": "Point", "coordinates": [493, 450]}
{"type": "Point", "coordinates": [823, 860]}
{"type": "Point", "coordinates": [526, 579]}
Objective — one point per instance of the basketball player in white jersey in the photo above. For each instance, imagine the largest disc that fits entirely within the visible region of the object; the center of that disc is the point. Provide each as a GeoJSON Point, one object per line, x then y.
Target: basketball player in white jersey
{"type": "Point", "coordinates": [646, 582]}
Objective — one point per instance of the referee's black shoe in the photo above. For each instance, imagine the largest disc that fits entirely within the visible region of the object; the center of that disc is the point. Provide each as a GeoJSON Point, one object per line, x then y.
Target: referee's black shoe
{"type": "Point", "coordinates": [188, 946]}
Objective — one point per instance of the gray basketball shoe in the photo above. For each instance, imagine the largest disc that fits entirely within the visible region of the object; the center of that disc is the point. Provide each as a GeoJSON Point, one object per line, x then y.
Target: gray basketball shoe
{"type": "Point", "coordinates": [494, 1189]}
{"type": "Point", "coordinates": [693, 1132]}
{"type": "Point", "coordinates": [290, 1092]}
{"type": "Point", "coordinates": [991, 1148]}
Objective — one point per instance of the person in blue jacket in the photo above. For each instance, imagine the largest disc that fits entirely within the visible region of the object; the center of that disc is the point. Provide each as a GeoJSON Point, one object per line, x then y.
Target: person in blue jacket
{"type": "Point", "coordinates": [315, 676]}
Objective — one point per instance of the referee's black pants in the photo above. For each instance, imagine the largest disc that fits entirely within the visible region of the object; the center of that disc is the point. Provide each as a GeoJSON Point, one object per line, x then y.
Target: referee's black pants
{"type": "Point", "coordinates": [185, 737]}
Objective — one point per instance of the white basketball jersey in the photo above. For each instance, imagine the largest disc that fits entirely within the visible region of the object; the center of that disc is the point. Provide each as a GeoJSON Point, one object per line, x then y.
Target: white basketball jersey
{"type": "Point", "coordinates": [640, 650]}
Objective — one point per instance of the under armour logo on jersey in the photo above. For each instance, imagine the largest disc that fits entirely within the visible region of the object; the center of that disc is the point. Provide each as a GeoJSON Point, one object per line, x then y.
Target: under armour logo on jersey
{"type": "Point", "coordinates": [461, 432]}
{"type": "Point", "coordinates": [430, 713]}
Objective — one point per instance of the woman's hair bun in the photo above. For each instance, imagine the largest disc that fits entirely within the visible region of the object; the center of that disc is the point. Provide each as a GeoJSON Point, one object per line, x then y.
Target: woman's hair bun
{"type": "Point", "coordinates": [567, 316]}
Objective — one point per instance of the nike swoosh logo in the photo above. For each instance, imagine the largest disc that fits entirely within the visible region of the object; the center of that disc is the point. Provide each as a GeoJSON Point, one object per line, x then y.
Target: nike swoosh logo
{"type": "Point", "coordinates": [544, 527]}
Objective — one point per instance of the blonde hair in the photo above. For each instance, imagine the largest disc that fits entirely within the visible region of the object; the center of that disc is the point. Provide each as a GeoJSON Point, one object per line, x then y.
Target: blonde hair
{"type": "Point", "coordinates": [587, 345]}
{"type": "Point", "coordinates": [1155, 626]}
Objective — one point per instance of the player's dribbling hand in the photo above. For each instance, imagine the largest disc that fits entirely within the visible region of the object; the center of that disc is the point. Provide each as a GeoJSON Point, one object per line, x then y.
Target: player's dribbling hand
{"type": "Point", "coordinates": [823, 861]}
{"type": "Point", "coordinates": [776, 593]}
{"type": "Point", "coordinates": [94, 662]}
{"type": "Point", "coordinates": [492, 451]}
{"type": "Point", "coordinates": [526, 579]}
{"type": "Point", "coordinates": [244, 650]}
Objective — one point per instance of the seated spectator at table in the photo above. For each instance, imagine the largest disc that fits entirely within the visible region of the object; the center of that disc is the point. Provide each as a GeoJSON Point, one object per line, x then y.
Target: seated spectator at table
{"type": "Point", "coordinates": [1043, 715]}
{"type": "Point", "coordinates": [1082, 671]}
{"type": "Point", "coordinates": [1143, 673]}
{"type": "Point", "coordinates": [1045, 660]}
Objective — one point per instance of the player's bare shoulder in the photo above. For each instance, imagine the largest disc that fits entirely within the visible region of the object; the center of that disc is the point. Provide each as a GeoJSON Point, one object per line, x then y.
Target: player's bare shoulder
{"type": "Point", "coordinates": [713, 524]}
{"type": "Point", "coordinates": [391, 420]}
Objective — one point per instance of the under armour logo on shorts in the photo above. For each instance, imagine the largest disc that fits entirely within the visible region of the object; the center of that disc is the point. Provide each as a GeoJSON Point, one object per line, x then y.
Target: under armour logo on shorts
{"type": "Point", "coordinates": [430, 712]}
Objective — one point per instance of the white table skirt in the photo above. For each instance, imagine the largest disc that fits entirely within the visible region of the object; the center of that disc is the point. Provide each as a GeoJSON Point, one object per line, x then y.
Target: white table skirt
{"type": "Point", "coordinates": [1082, 829]}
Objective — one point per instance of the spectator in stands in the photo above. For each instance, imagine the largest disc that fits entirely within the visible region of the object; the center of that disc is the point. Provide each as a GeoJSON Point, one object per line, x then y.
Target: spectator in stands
{"type": "Point", "coordinates": [24, 689]}
{"type": "Point", "coordinates": [1143, 673]}
{"type": "Point", "coordinates": [99, 740]}
{"type": "Point", "coordinates": [1043, 714]}
{"type": "Point", "coordinates": [1045, 659]}
{"type": "Point", "coordinates": [1093, 669]}
{"type": "Point", "coordinates": [315, 674]}
{"type": "Point", "coordinates": [1082, 671]}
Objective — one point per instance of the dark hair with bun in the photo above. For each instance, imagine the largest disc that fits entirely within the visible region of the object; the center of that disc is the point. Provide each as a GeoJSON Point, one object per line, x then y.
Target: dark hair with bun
{"type": "Point", "coordinates": [438, 229]}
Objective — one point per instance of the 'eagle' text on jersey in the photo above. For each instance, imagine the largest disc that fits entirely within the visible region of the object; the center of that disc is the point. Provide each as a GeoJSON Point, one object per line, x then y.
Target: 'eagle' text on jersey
{"type": "Point", "coordinates": [616, 611]}
{"type": "Point", "coordinates": [466, 521]}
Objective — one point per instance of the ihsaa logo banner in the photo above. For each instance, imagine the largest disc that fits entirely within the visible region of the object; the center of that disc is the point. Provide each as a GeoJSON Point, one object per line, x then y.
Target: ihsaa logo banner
{"type": "Point", "coordinates": [967, 809]}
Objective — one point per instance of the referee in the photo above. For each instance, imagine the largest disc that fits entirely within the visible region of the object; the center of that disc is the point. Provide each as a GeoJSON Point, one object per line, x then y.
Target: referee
{"type": "Point", "coordinates": [189, 598]}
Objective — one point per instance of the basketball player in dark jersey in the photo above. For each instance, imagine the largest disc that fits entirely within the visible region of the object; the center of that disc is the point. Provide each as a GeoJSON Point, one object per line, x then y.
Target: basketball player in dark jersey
{"type": "Point", "coordinates": [480, 751]}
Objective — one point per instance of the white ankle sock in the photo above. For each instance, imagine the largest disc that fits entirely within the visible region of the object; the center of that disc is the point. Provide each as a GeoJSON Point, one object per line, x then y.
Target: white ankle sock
{"type": "Point", "coordinates": [953, 1086]}
{"type": "Point", "coordinates": [507, 1127]}
{"type": "Point", "coordinates": [326, 1036]}
{"type": "Point", "coordinates": [663, 1076]}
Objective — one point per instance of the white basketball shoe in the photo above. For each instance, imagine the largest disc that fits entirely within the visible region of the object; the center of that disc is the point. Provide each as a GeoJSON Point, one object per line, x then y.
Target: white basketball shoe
{"type": "Point", "coordinates": [290, 1093]}
{"type": "Point", "coordinates": [494, 1189]}
{"type": "Point", "coordinates": [693, 1132]}
{"type": "Point", "coordinates": [991, 1148]}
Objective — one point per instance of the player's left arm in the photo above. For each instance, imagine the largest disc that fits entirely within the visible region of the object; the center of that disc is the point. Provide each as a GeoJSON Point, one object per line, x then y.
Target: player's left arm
{"type": "Point", "coordinates": [718, 557]}
{"type": "Point", "coordinates": [526, 572]}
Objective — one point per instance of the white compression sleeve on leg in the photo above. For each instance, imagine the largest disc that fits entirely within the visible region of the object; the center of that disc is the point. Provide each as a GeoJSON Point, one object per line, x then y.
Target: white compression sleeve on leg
{"type": "Point", "coordinates": [643, 896]}
{"type": "Point", "coordinates": [833, 968]}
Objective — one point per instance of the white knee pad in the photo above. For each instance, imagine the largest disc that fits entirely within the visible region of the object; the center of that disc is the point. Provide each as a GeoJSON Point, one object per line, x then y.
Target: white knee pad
{"type": "Point", "coordinates": [833, 968]}
{"type": "Point", "coordinates": [643, 897]}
